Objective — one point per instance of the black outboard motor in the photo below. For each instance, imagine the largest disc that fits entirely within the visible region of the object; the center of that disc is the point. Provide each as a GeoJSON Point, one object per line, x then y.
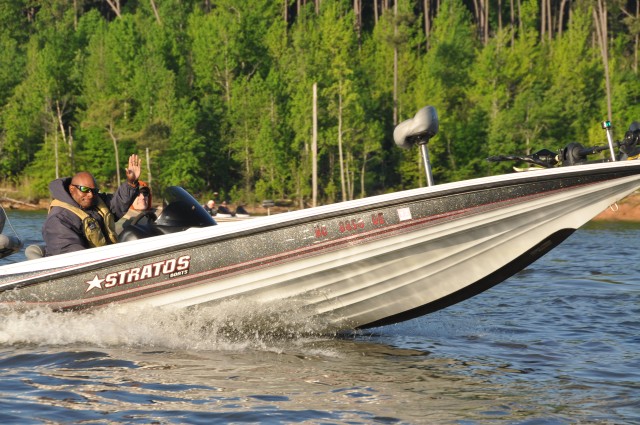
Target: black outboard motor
{"type": "Point", "coordinates": [180, 212]}
{"type": "Point", "coordinates": [629, 145]}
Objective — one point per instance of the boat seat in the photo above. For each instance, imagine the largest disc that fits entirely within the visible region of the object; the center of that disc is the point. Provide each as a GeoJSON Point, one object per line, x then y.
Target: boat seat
{"type": "Point", "coordinates": [420, 128]}
{"type": "Point", "coordinates": [34, 251]}
{"type": "Point", "coordinates": [9, 245]}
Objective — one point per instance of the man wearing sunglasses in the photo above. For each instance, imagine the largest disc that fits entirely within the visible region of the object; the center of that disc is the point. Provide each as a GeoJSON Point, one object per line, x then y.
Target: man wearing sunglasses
{"type": "Point", "coordinates": [80, 217]}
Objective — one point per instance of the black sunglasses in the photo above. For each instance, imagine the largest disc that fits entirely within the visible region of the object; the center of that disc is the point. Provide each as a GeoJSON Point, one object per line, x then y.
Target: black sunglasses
{"type": "Point", "coordinates": [86, 189]}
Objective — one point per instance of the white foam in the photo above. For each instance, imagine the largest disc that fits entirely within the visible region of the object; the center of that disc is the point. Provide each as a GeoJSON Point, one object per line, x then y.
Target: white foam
{"type": "Point", "coordinates": [233, 325]}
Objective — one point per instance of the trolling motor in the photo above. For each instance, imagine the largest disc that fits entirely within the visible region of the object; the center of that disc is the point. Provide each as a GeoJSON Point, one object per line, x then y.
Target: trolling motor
{"type": "Point", "coordinates": [574, 153]}
{"type": "Point", "coordinates": [418, 131]}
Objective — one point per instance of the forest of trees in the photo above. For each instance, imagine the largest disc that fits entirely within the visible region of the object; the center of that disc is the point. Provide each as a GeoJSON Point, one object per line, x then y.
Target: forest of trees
{"type": "Point", "coordinates": [218, 95]}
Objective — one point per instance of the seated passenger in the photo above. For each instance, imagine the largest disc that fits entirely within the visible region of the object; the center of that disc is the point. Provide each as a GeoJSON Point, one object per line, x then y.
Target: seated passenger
{"type": "Point", "coordinates": [80, 217]}
{"type": "Point", "coordinates": [241, 211]}
{"type": "Point", "coordinates": [142, 204]}
{"type": "Point", "coordinates": [210, 207]}
{"type": "Point", "coordinates": [224, 209]}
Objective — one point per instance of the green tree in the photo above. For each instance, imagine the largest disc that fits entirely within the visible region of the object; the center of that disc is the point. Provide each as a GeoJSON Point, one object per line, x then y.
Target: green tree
{"type": "Point", "coordinates": [182, 162]}
{"type": "Point", "coordinates": [303, 68]}
{"type": "Point", "coordinates": [444, 82]}
{"type": "Point", "coordinates": [108, 94]}
{"type": "Point", "coordinates": [571, 103]}
{"type": "Point", "coordinates": [34, 118]}
{"type": "Point", "coordinates": [509, 81]}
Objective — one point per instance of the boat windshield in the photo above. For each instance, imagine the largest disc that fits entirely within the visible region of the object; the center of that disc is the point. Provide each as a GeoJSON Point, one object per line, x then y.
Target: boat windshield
{"type": "Point", "coordinates": [180, 209]}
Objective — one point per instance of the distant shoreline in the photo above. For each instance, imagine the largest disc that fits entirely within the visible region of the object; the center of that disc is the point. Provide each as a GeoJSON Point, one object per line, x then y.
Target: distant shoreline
{"type": "Point", "coordinates": [628, 209]}
{"type": "Point", "coordinates": [17, 204]}
{"type": "Point", "coordinates": [43, 205]}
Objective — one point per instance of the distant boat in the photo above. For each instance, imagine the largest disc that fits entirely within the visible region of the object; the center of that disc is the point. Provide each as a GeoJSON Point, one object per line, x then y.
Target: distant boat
{"type": "Point", "coordinates": [354, 264]}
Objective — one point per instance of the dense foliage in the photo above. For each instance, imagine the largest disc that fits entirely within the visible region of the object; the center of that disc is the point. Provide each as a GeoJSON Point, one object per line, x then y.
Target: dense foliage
{"type": "Point", "coordinates": [217, 95]}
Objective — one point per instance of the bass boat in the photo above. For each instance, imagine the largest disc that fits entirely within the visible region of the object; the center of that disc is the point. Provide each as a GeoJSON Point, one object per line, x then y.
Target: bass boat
{"type": "Point", "coordinates": [354, 264]}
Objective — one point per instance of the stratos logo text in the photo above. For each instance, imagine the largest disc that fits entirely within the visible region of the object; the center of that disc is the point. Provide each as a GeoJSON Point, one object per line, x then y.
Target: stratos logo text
{"type": "Point", "coordinates": [172, 267]}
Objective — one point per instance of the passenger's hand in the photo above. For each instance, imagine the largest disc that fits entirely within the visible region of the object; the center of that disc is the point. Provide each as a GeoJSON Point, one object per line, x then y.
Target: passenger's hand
{"type": "Point", "coordinates": [133, 170]}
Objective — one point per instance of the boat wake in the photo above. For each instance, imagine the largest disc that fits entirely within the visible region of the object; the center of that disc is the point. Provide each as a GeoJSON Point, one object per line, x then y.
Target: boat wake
{"type": "Point", "coordinates": [232, 325]}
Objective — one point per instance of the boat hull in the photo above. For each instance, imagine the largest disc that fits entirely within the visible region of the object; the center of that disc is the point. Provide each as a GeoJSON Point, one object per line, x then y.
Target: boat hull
{"type": "Point", "coordinates": [356, 264]}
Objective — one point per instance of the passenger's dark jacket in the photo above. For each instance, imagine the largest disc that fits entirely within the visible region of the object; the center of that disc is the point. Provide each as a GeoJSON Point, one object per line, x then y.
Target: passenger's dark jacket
{"type": "Point", "coordinates": [62, 230]}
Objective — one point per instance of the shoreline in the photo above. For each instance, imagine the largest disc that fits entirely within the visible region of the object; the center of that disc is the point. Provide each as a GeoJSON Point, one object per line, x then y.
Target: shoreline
{"type": "Point", "coordinates": [17, 204]}
{"type": "Point", "coordinates": [43, 205]}
{"type": "Point", "coordinates": [627, 209]}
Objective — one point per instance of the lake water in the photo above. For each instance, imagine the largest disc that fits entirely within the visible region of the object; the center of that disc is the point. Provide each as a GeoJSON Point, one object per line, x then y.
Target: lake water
{"type": "Point", "coordinates": [559, 343]}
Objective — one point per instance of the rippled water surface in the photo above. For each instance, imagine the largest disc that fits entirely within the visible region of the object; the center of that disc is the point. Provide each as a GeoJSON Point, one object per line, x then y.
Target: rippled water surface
{"type": "Point", "coordinates": [558, 343]}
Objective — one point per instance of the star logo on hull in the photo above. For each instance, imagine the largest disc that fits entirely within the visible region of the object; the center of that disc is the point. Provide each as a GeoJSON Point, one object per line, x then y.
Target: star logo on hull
{"type": "Point", "coordinates": [96, 282]}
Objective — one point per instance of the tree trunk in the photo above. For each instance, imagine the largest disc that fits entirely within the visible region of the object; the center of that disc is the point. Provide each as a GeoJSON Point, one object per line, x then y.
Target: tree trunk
{"type": "Point", "coordinates": [600, 18]}
{"type": "Point", "coordinates": [427, 21]}
{"type": "Point", "coordinates": [60, 123]}
{"type": "Point", "coordinates": [357, 11]}
{"type": "Point", "coordinates": [299, 191]}
{"type": "Point", "coordinates": [111, 131]}
{"type": "Point", "coordinates": [155, 11]}
{"type": "Point", "coordinates": [477, 14]}
{"type": "Point", "coordinates": [395, 64]}
{"type": "Point", "coordinates": [520, 24]}
{"type": "Point", "coordinates": [285, 12]}
{"type": "Point", "coordinates": [55, 154]}
{"type": "Point", "coordinates": [635, 52]}
{"type": "Point", "coordinates": [561, 17]}
{"type": "Point", "coordinates": [247, 159]}
{"type": "Point", "coordinates": [149, 179]}
{"type": "Point", "coordinates": [64, 135]}
{"type": "Point", "coordinates": [549, 19]}
{"type": "Point", "coordinates": [375, 11]}
{"type": "Point", "coordinates": [115, 6]}
{"type": "Point", "coordinates": [350, 177]}
{"type": "Point", "coordinates": [340, 154]}
{"type": "Point", "coordinates": [227, 81]}
{"type": "Point", "coordinates": [513, 22]}
{"type": "Point", "coordinates": [486, 22]}
{"type": "Point", "coordinates": [70, 151]}
{"type": "Point", "coordinates": [75, 15]}
{"type": "Point", "coordinates": [363, 171]}
{"type": "Point", "coordinates": [543, 16]}
{"type": "Point", "coordinates": [314, 148]}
